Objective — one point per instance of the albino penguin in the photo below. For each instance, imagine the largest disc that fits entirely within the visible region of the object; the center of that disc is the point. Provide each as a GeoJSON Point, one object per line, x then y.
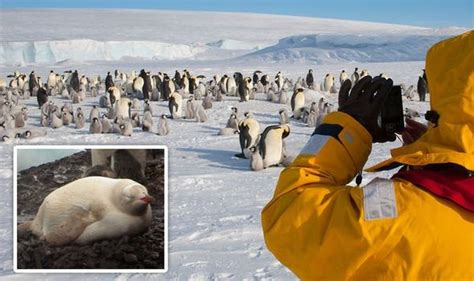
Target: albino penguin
{"type": "Point", "coordinates": [297, 103]}
{"type": "Point", "coordinates": [147, 125]}
{"type": "Point", "coordinates": [256, 161]}
{"type": "Point", "coordinates": [163, 129]}
{"type": "Point", "coordinates": [91, 209]}
{"type": "Point", "coordinates": [328, 82]}
{"type": "Point", "coordinates": [271, 144]}
{"type": "Point", "coordinates": [283, 116]}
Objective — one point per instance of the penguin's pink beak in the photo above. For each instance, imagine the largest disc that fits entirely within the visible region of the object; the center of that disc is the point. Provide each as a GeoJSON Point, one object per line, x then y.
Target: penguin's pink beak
{"type": "Point", "coordinates": [148, 199]}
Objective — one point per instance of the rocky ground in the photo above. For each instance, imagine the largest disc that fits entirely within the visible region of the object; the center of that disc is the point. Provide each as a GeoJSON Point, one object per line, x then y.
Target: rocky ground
{"type": "Point", "coordinates": [140, 252]}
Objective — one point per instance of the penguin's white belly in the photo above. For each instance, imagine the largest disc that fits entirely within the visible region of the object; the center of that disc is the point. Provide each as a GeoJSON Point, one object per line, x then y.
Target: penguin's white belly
{"type": "Point", "coordinates": [299, 103]}
{"type": "Point", "coordinates": [273, 149]}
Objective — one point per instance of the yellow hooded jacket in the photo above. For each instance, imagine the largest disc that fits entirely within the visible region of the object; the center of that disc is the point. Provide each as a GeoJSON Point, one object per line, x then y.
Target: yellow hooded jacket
{"type": "Point", "coordinates": [322, 229]}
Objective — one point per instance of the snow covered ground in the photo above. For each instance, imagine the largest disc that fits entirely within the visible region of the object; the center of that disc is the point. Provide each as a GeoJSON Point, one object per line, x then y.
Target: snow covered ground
{"type": "Point", "coordinates": [214, 199]}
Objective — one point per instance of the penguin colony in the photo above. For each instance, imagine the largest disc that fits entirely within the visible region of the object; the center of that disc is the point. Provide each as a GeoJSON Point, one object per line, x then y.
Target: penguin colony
{"type": "Point", "coordinates": [122, 105]}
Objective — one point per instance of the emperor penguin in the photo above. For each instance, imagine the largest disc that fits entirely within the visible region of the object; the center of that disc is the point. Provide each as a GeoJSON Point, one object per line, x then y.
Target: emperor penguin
{"type": "Point", "coordinates": [19, 120]}
{"type": "Point", "coordinates": [328, 82]}
{"type": "Point", "coordinates": [126, 128]}
{"type": "Point", "coordinates": [343, 77]}
{"type": "Point", "coordinates": [231, 87]}
{"type": "Point", "coordinates": [309, 79]}
{"type": "Point", "coordinates": [256, 161]}
{"type": "Point", "coordinates": [41, 97]}
{"type": "Point", "coordinates": [122, 108]}
{"type": "Point", "coordinates": [147, 124]}
{"type": "Point", "coordinates": [200, 113]}
{"type": "Point", "coordinates": [147, 107]}
{"type": "Point", "coordinates": [74, 82]}
{"type": "Point", "coordinates": [249, 130]}
{"type": "Point", "coordinates": [80, 120]}
{"type": "Point", "coordinates": [67, 118]}
{"type": "Point", "coordinates": [135, 120]}
{"type": "Point", "coordinates": [163, 129]}
{"type": "Point", "coordinates": [283, 116]}
{"type": "Point", "coordinates": [233, 122]}
{"type": "Point", "coordinates": [355, 76]}
{"type": "Point", "coordinates": [207, 101]}
{"type": "Point", "coordinates": [109, 82]}
{"type": "Point", "coordinates": [30, 134]}
{"type": "Point", "coordinates": [32, 82]}
{"type": "Point", "coordinates": [123, 205]}
{"type": "Point", "coordinates": [283, 97]}
{"type": "Point", "coordinates": [94, 113]}
{"type": "Point", "coordinates": [364, 73]}
{"type": "Point", "coordinates": [245, 86]}
{"type": "Point", "coordinates": [297, 102]}
{"type": "Point", "coordinates": [271, 144]}
{"type": "Point", "coordinates": [96, 126]}
{"type": "Point", "coordinates": [52, 80]}
{"type": "Point", "coordinates": [189, 109]}
{"type": "Point", "coordinates": [107, 127]}
{"type": "Point", "coordinates": [138, 84]}
{"type": "Point", "coordinates": [175, 105]}
{"type": "Point", "coordinates": [114, 94]}
{"type": "Point", "coordinates": [312, 118]}
{"type": "Point", "coordinates": [409, 92]}
{"type": "Point", "coordinates": [421, 88]}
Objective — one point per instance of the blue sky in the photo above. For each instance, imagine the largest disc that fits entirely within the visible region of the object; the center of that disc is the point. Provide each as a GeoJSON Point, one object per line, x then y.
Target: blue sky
{"type": "Point", "coordinates": [430, 13]}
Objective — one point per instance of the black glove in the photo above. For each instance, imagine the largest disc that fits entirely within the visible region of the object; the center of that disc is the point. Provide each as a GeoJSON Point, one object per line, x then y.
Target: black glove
{"type": "Point", "coordinates": [365, 102]}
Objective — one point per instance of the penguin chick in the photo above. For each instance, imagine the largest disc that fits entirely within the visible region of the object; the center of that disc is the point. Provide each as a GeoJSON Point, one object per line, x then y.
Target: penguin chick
{"type": "Point", "coordinates": [283, 116]}
{"type": "Point", "coordinates": [94, 113]}
{"type": "Point", "coordinates": [126, 128]}
{"type": "Point", "coordinates": [30, 134]}
{"type": "Point", "coordinates": [107, 127]}
{"type": "Point", "coordinates": [233, 122]}
{"type": "Point", "coordinates": [163, 129]}
{"type": "Point", "coordinates": [256, 161]}
{"type": "Point", "coordinates": [56, 122]}
{"type": "Point", "coordinates": [67, 118]}
{"type": "Point", "coordinates": [147, 125]}
{"type": "Point", "coordinates": [80, 120]}
{"type": "Point", "coordinates": [96, 126]}
{"type": "Point", "coordinates": [135, 120]}
{"type": "Point", "coordinates": [201, 115]}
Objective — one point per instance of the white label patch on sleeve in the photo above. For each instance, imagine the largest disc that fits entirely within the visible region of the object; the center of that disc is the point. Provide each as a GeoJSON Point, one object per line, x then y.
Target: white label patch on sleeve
{"type": "Point", "coordinates": [314, 144]}
{"type": "Point", "coordinates": [379, 200]}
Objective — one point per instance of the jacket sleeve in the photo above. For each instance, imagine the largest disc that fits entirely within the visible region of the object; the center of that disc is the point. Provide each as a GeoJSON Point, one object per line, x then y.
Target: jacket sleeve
{"type": "Point", "coordinates": [313, 215]}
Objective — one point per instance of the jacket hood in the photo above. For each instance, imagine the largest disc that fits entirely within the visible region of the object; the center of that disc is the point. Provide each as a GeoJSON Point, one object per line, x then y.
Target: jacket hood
{"type": "Point", "coordinates": [450, 75]}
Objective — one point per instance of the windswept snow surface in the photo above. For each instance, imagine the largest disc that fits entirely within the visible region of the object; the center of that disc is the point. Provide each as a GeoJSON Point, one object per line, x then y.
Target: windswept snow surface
{"type": "Point", "coordinates": [214, 199]}
{"type": "Point", "coordinates": [51, 36]}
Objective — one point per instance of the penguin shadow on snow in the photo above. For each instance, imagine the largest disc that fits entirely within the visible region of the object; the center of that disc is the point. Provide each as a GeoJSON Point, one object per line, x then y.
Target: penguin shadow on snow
{"type": "Point", "coordinates": [223, 158]}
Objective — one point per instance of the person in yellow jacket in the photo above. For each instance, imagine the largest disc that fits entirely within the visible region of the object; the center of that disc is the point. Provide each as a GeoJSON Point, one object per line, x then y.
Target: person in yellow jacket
{"type": "Point", "coordinates": [419, 225]}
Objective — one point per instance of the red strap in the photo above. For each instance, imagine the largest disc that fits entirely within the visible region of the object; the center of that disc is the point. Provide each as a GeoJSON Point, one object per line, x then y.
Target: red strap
{"type": "Point", "coordinates": [448, 184]}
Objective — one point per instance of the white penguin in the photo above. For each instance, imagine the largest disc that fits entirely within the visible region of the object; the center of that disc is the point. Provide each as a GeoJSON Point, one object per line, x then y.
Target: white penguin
{"type": "Point", "coordinates": [122, 108]}
{"type": "Point", "coordinates": [91, 209]}
{"type": "Point", "coordinates": [297, 102]}
{"type": "Point", "coordinates": [271, 144]}
{"type": "Point", "coordinates": [343, 76]}
{"type": "Point", "coordinates": [328, 82]}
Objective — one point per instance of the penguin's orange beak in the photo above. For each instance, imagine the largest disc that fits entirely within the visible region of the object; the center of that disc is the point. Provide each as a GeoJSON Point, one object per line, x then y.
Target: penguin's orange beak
{"type": "Point", "coordinates": [148, 199]}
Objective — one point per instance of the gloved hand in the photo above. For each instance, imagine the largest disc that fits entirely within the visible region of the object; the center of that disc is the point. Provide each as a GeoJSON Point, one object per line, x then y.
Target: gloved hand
{"type": "Point", "coordinates": [364, 103]}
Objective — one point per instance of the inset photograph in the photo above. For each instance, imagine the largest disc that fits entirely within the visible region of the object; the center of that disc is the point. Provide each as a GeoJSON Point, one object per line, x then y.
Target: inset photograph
{"type": "Point", "coordinates": [90, 209]}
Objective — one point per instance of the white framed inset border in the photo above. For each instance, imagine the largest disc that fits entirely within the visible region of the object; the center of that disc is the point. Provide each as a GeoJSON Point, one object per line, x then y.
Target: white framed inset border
{"type": "Point", "coordinates": [82, 147]}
